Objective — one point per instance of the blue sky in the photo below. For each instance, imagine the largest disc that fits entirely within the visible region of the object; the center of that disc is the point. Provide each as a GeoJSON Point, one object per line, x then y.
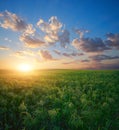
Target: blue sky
{"type": "Point", "coordinates": [83, 20]}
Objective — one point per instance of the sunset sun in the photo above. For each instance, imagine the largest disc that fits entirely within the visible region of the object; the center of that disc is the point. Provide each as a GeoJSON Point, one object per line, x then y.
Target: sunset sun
{"type": "Point", "coordinates": [25, 67]}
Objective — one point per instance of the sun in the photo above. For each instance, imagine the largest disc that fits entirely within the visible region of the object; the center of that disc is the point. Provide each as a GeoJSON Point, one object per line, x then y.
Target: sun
{"type": "Point", "coordinates": [25, 67]}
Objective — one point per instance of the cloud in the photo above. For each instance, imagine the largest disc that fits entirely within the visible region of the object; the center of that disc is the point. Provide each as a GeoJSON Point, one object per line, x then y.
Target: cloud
{"type": "Point", "coordinates": [68, 54]}
{"type": "Point", "coordinates": [110, 66]}
{"type": "Point", "coordinates": [51, 29]}
{"type": "Point", "coordinates": [46, 55]}
{"type": "Point", "coordinates": [76, 54]}
{"type": "Point", "coordinates": [81, 32]}
{"type": "Point", "coordinates": [64, 38]}
{"type": "Point", "coordinates": [92, 65]}
{"type": "Point", "coordinates": [32, 41]}
{"type": "Point", "coordinates": [18, 54]}
{"type": "Point", "coordinates": [28, 52]}
{"type": "Point", "coordinates": [23, 54]}
{"type": "Point", "coordinates": [76, 61]}
{"type": "Point", "coordinates": [57, 52]}
{"type": "Point", "coordinates": [99, 58]}
{"type": "Point", "coordinates": [85, 60]}
{"type": "Point", "coordinates": [53, 26]}
{"type": "Point", "coordinates": [70, 62]}
{"type": "Point", "coordinates": [4, 48]}
{"type": "Point", "coordinates": [29, 30]}
{"type": "Point", "coordinates": [96, 44]}
{"type": "Point", "coordinates": [51, 38]}
{"type": "Point", "coordinates": [90, 44]}
{"type": "Point", "coordinates": [113, 40]}
{"type": "Point", "coordinates": [11, 21]}
{"type": "Point", "coordinates": [98, 65]}
{"type": "Point", "coordinates": [72, 54]}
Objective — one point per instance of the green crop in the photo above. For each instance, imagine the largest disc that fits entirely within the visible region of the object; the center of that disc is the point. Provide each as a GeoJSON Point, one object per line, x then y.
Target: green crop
{"type": "Point", "coordinates": [59, 100]}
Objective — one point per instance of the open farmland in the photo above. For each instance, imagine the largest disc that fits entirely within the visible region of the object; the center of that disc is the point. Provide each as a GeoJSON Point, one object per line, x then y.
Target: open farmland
{"type": "Point", "coordinates": [59, 100]}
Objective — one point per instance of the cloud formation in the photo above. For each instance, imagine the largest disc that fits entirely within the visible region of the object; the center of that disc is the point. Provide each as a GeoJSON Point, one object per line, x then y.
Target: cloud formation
{"type": "Point", "coordinates": [29, 30]}
{"type": "Point", "coordinates": [90, 44]}
{"type": "Point", "coordinates": [51, 29]}
{"type": "Point", "coordinates": [113, 40]}
{"type": "Point", "coordinates": [72, 54]}
{"type": "Point", "coordinates": [32, 41]}
{"type": "Point", "coordinates": [68, 54]}
{"type": "Point", "coordinates": [85, 60]}
{"type": "Point", "coordinates": [4, 48]}
{"type": "Point", "coordinates": [57, 52]}
{"type": "Point", "coordinates": [99, 58]}
{"type": "Point", "coordinates": [46, 55]}
{"type": "Point", "coordinates": [64, 38]}
{"type": "Point", "coordinates": [18, 54]}
{"type": "Point", "coordinates": [11, 21]}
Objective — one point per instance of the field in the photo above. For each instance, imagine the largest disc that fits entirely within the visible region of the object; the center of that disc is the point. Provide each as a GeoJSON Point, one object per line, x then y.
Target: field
{"type": "Point", "coordinates": [59, 100]}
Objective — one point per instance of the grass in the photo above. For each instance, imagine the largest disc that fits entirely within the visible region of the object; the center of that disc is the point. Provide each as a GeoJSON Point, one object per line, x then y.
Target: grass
{"type": "Point", "coordinates": [59, 100]}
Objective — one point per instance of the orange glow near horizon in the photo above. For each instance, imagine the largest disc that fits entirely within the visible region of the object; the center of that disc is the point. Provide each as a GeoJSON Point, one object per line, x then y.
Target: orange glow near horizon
{"type": "Point", "coordinates": [25, 67]}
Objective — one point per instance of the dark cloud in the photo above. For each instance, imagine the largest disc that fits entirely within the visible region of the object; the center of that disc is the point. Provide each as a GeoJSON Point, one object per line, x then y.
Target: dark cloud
{"type": "Point", "coordinates": [4, 48]}
{"type": "Point", "coordinates": [90, 44]}
{"type": "Point", "coordinates": [11, 21]}
{"type": "Point", "coordinates": [46, 55]}
{"type": "Point", "coordinates": [32, 41]}
{"type": "Point", "coordinates": [70, 62]}
{"type": "Point", "coordinates": [72, 54]}
{"type": "Point", "coordinates": [96, 44]}
{"type": "Point", "coordinates": [85, 60]}
{"type": "Point", "coordinates": [103, 57]}
{"type": "Point", "coordinates": [66, 54]}
{"type": "Point", "coordinates": [57, 52]}
{"type": "Point", "coordinates": [110, 66]}
{"type": "Point", "coordinates": [76, 61]}
{"type": "Point", "coordinates": [76, 54]}
{"type": "Point", "coordinates": [113, 40]}
{"type": "Point", "coordinates": [97, 65]}
{"type": "Point", "coordinates": [64, 38]}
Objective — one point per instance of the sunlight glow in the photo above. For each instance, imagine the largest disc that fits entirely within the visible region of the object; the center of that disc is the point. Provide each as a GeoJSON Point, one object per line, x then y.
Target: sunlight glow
{"type": "Point", "coordinates": [25, 67]}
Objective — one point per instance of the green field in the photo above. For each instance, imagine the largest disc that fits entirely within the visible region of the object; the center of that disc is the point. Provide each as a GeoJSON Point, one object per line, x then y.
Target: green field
{"type": "Point", "coordinates": [59, 100]}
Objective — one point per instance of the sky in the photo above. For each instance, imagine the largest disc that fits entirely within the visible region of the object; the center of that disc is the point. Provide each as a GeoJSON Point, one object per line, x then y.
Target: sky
{"type": "Point", "coordinates": [59, 34]}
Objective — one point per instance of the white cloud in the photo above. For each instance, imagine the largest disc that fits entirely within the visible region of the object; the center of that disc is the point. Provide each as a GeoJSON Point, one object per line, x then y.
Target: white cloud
{"type": "Point", "coordinates": [51, 29]}
{"type": "Point", "coordinates": [11, 21]}
{"type": "Point", "coordinates": [53, 26]}
{"type": "Point", "coordinates": [29, 30]}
